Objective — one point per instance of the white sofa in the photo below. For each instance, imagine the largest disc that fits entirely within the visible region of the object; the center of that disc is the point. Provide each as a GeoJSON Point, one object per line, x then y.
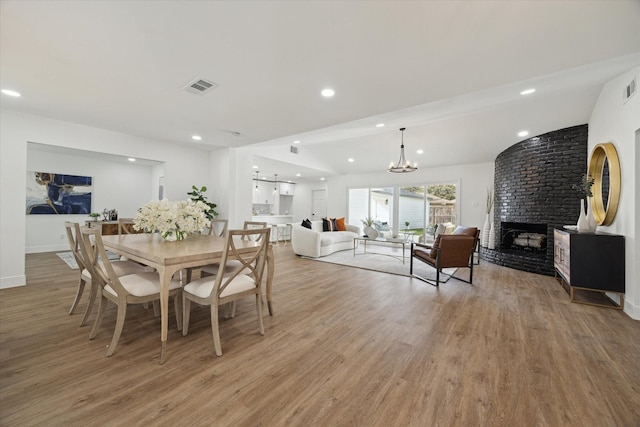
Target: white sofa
{"type": "Point", "coordinates": [315, 243]}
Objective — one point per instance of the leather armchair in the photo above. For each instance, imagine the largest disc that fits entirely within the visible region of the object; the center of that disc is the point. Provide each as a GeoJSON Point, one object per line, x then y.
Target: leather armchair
{"type": "Point", "coordinates": [448, 251]}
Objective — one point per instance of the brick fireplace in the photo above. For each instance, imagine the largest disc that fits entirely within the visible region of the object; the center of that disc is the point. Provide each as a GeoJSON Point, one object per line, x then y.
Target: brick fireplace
{"type": "Point", "coordinates": [533, 195]}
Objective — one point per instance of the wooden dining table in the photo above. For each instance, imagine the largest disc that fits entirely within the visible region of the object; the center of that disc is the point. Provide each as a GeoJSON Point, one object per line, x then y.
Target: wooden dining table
{"type": "Point", "coordinates": [170, 257]}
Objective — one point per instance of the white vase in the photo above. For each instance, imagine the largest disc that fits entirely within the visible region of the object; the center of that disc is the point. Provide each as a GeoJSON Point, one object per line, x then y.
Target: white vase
{"type": "Point", "coordinates": [371, 232]}
{"type": "Point", "coordinates": [591, 218]}
{"type": "Point", "coordinates": [491, 240]}
{"type": "Point", "coordinates": [583, 222]}
{"type": "Point", "coordinates": [484, 238]}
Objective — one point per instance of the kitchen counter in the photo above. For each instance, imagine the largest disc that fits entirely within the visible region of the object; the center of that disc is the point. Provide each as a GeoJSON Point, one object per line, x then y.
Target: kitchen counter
{"type": "Point", "coordinates": [273, 219]}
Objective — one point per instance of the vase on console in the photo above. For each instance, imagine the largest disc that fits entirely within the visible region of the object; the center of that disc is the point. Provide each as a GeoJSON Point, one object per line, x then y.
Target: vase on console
{"type": "Point", "coordinates": [587, 221]}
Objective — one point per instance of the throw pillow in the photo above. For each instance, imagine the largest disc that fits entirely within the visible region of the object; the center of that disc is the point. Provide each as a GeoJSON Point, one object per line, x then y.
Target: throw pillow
{"type": "Point", "coordinates": [306, 223]}
{"type": "Point", "coordinates": [340, 224]}
{"type": "Point", "coordinates": [329, 224]}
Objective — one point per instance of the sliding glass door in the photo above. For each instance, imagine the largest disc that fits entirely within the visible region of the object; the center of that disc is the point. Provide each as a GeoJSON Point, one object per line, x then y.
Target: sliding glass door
{"type": "Point", "coordinates": [412, 211]}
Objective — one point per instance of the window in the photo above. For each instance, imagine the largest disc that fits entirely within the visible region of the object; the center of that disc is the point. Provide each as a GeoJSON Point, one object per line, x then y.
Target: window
{"type": "Point", "coordinates": [410, 211]}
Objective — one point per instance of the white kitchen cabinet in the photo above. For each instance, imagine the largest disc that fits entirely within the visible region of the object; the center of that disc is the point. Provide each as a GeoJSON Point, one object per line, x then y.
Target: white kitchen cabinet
{"type": "Point", "coordinates": [287, 189]}
{"type": "Point", "coordinates": [263, 192]}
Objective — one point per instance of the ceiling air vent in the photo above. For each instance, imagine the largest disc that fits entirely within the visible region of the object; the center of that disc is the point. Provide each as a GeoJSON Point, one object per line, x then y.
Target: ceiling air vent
{"type": "Point", "coordinates": [294, 150]}
{"type": "Point", "coordinates": [200, 86]}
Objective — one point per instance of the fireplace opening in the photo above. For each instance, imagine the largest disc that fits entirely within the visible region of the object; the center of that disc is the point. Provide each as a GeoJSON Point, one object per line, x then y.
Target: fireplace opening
{"type": "Point", "coordinates": [524, 237]}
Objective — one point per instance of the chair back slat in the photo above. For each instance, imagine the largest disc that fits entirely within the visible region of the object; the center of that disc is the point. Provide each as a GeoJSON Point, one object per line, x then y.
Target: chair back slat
{"type": "Point", "coordinates": [100, 266]}
{"type": "Point", "coordinates": [252, 260]}
{"type": "Point", "coordinates": [73, 235]}
{"type": "Point", "coordinates": [252, 225]}
{"type": "Point", "coordinates": [218, 227]}
{"type": "Point", "coordinates": [122, 225]}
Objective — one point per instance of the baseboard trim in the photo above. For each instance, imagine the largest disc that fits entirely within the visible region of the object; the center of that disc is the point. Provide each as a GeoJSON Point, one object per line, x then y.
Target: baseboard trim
{"type": "Point", "coordinates": [13, 282]}
{"type": "Point", "coordinates": [632, 311]}
{"type": "Point", "coordinates": [48, 248]}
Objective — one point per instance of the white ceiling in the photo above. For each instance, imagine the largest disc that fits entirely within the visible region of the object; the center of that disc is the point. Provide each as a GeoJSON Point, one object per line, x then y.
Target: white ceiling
{"type": "Point", "coordinates": [450, 72]}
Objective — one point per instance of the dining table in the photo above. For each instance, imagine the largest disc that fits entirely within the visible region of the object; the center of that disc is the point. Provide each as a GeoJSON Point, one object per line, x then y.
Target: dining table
{"type": "Point", "coordinates": [170, 257]}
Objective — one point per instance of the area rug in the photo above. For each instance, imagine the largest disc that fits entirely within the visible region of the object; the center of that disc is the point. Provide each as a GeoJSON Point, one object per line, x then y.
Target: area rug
{"type": "Point", "coordinates": [385, 259]}
{"type": "Point", "coordinates": [71, 261]}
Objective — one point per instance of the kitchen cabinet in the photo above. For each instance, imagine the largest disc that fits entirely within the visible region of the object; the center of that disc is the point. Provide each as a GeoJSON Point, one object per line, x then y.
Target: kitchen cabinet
{"type": "Point", "coordinates": [287, 189]}
{"type": "Point", "coordinates": [263, 192]}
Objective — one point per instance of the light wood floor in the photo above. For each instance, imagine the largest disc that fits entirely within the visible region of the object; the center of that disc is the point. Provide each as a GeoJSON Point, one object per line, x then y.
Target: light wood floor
{"type": "Point", "coordinates": [345, 347]}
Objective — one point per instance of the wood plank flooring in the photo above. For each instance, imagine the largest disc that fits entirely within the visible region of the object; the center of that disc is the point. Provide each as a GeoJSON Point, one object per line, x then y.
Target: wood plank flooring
{"type": "Point", "coordinates": [345, 347]}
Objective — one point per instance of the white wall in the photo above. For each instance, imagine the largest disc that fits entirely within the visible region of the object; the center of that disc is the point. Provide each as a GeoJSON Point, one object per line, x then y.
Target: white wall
{"type": "Point", "coordinates": [616, 122]}
{"type": "Point", "coordinates": [183, 167]}
{"type": "Point", "coordinates": [115, 186]}
{"type": "Point", "coordinates": [473, 181]}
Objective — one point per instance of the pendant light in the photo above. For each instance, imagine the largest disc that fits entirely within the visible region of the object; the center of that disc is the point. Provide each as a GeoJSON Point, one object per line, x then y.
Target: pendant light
{"type": "Point", "coordinates": [257, 180]}
{"type": "Point", "coordinates": [275, 183]}
{"type": "Point", "coordinates": [403, 165]}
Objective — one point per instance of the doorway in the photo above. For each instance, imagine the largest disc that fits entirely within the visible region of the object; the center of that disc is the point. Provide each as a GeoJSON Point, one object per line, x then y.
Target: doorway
{"type": "Point", "coordinates": [318, 204]}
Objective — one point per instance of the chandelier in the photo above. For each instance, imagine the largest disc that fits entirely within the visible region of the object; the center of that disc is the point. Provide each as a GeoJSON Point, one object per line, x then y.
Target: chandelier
{"type": "Point", "coordinates": [403, 165]}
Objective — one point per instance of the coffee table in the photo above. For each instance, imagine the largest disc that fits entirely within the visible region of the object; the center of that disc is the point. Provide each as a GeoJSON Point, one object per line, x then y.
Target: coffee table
{"type": "Point", "coordinates": [380, 240]}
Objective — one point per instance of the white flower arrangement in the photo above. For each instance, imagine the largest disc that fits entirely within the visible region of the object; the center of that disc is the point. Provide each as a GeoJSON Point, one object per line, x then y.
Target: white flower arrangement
{"type": "Point", "coordinates": [173, 220]}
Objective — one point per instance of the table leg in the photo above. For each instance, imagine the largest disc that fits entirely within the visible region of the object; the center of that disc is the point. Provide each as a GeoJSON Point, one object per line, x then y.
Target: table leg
{"type": "Point", "coordinates": [270, 271]}
{"type": "Point", "coordinates": [165, 280]}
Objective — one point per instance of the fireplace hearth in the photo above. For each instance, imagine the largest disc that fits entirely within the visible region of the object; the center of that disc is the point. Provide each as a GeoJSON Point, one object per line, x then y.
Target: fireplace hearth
{"type": "Point", "coordinates": [528, 238]}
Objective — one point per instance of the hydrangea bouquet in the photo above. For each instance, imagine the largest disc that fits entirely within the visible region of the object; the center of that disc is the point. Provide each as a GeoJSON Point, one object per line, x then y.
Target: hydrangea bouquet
{"type": "Point", "coordinates": [173, 220]}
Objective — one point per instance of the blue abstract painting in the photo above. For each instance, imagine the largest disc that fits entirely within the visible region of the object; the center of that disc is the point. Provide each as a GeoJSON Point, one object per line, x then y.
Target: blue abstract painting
{"type": "Point", "coordinates": [52, 193]}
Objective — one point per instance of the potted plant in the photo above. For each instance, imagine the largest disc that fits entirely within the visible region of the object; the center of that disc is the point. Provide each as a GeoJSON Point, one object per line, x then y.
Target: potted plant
{"type": "Point", "coordinates": [94, 216]}
{"type": "Point", "coordinates": [197, 195]}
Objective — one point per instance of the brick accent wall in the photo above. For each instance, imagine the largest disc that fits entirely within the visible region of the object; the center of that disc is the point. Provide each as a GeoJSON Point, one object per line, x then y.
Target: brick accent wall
{"type": "Point", "coordinates": [532, 184]}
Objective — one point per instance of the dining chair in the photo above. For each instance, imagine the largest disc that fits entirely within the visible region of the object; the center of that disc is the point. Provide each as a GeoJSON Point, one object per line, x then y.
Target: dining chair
{"type": "Point", "coordinates": [218, 227]}
{"type": "Point", "coordinates": [134, 288]}
{"type": "Point", "coordinates": [120, 267]}
{"type": "Point", "coordinates": [212, 269]}
{"type": "Point", "coordinates": [228, 288]}
{"type": "Point", "coordinates": [73, 233]}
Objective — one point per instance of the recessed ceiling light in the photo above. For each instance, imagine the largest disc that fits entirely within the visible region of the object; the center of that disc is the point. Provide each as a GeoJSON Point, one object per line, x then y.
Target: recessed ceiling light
{"type": "Point", "coordinates": [298, 175]}
{"type": "Point", "coordinates": [328, 93]}
{"type": "Point", "coordinates": [350, 159]}
{"type": "Point", "coordinates": [523, 133]}
{"type": "Point", "coordinates": [321, 179]}
{"type": "Point", "coordinates": [11, 92]}
{"type": "Point", "coordinates": [131, 159]}
{"type": "Point", "coordinates": [527, 91]}
{"type": "Point", "coordinates": [255, 166]}
{"type": "Point", "coordinates": [296, 142]}
{"type": "Point", "coordinates": [380, 125]}
{"type": "Point", "coordinates": [420, 151]}
{"type": "Point", "coordinates": [289, 181]}
{"type": "Point", "coordinates": [196, 138]}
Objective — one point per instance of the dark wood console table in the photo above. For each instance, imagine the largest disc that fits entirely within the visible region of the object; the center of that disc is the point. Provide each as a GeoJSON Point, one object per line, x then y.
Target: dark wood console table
{"type": "Point", "coordinates": [590, 264]}
{"type": "Point", "coordinates": [110, 228]}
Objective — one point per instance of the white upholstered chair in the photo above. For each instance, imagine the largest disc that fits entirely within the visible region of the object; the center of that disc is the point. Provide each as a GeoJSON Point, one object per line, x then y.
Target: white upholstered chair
{"type": "Point", "coordinates": [224, 288]}
{"type": "Point", "coordinates": [122, 290]}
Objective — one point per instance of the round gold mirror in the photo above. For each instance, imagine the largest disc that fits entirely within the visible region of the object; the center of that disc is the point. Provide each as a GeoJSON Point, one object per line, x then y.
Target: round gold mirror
{"type": "Point", "coordinates": [604, 168]}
